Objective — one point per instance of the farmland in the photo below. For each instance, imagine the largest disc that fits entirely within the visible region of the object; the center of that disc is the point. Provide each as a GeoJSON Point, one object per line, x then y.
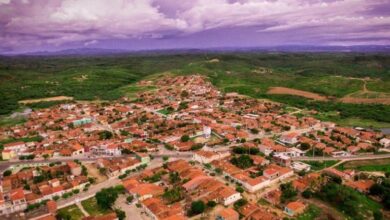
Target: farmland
{"type": "Point", "coordinates": [102, 78]}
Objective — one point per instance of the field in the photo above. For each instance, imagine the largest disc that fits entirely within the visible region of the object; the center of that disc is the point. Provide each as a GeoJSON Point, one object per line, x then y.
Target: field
{"type": "Point", "coordinates": [284, 90]}
{"type": "Point", "coordinates": [92, 207]}
{"type": "Point", "coordinates": [382, 165]}
{"type": "Point", "coordinates": [72, 212]}
{"type": "Point", "coordinates": [331, 75]}
{"type": "Point", "coordinates": [319, 165]}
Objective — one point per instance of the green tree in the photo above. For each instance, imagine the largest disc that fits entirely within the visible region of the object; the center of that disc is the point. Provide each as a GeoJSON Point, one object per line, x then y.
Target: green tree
{"type": "Point", "coordinates": [121, 215]}
{"type": "Point", "coordinates": [197, 207]}
{"type": "Point", "coordinates": [185, 138]}
{"type": "Point", "coordinates": [106, 197]}
{"type": "Point", "coordinates": [104, 135]}
{"type": "Point", "coordinates": [7, 173]}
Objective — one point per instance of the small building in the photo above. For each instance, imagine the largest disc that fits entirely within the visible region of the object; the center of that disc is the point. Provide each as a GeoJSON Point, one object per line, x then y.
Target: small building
{"type": "Point", "coordinates": [294, 208]}
{"type": "Point", "coordinates": [385, 142]}
{"type": "Point", "coordinates": [227, 214]}
{"type": "Point", "coordinates": [8, 154]}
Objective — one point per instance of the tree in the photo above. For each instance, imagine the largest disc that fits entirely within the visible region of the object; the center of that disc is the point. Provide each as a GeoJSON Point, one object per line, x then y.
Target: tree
{"type": "Point", "coordinates": [7, 173]}
{"type": "Point", "coordinates": [106, 197]}
{"type": "Point", "coordinates": [288, 192]}
{"type": "Point", "coordinates": [254, 131]}
{"type": "Point", "coordinates": [197, 207]}
{"type": "Point", "coordinates": [304, 146]}
{"type": "Point", "coordinates": [185, 138]}
{"type": "Point", "coordinates": [165, 158]}
{"type": "Point", "coordinates": [184, 94]}
{"type": "Point", "coordinates": [45, 156]}
{"type": "Point", "coordinates": [211, 204]}
{"type": "Point", "coordinates": [104, 135]}
{"type": "Point", "coordinates": [173, 195]}
{"type": "Point", "coordinates": [174, 177]}
{"type": "Point", "coordinates": [121, 215]}
{"type": "Point", "coordinates": [239, 189]}
{"type": "Point", "coordinates": [243, 161]}
{"type": "Point", "coordinates": [130, 198]}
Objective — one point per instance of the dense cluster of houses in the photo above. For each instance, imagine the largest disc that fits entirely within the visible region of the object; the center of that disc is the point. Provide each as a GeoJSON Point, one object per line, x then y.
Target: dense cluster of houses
{"type": "Point", "coordinates": [184, 113]}
{"type": "Point", "coordinates": [34, 185]}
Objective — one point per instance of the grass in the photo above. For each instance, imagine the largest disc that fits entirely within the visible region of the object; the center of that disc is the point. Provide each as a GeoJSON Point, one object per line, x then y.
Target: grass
{"type": "Point", "coordinates": [164, 111]}
{"type": "Point", "coordinates": [93, 208]}
{"type": "Point", "coordinates": [73, 211]}
{"type": "Point", "coordinates": [382, 165]}
{"type": "Point", "coordinates": [311, 213]}
{"type": "Point", "coordinates": [319, 165]}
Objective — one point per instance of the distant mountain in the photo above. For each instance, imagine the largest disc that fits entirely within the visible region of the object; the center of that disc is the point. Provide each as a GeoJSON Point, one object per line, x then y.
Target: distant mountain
{"type": "Point", "coordinates": [285, 48]}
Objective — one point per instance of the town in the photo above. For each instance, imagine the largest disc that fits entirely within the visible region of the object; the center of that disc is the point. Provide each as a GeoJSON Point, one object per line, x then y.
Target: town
{"type": "Point", "coordinates": [185, 150]}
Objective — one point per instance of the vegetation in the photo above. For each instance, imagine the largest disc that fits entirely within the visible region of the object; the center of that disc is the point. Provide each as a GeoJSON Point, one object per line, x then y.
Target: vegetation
{"type": "Point", "coordinates": [243, 161]}
{"type": "Point", "coordinates": [348, 200]}
{"type": "Point", "coordinates": [197, 207]}
{"type": "Point", "coordinates": [173, 195]}
{"type": "Point", "coordinates": [288, 192]}
{"type": "Point", "coordinates": [311, 213]}
{"type": "Point", "coordinates": [369, 165]}
{"type": "Point", "coordinates": [110, 77]}
{"type": "Point", "coordinates": [106, 197]}
{"type": "Point", "coordinates": [382, 190]}
{"type": "Point", "coordinates": [69, 213]}
{"type": "Point", "coordinates": [319, 165]}
{"type": "Point", "coordinates": [92, 207]}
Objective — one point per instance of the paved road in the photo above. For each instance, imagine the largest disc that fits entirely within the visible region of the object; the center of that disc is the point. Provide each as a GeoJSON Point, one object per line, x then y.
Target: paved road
{"type": "Point", "coordinates": [6, 164]}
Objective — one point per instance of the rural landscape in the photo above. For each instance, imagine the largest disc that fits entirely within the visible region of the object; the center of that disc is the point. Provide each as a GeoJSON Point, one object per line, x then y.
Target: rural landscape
{"type": "Point", "coordinates": [199, 110]}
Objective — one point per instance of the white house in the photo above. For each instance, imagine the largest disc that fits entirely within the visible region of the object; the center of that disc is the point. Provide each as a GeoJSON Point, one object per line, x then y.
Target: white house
{"type": "Point", "coordinates": [385, 142]}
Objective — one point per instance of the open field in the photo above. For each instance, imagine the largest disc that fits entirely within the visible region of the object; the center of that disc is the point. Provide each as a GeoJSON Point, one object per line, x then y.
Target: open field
{"type": "Point", "coordinates": [49, 99]}
{"type": "Point", "coordinates": [284, 90]}
{"type": "Point", "coordinates": [72, 211]}
{"type": "Point", "coordinates": [92, 207]}
{"type": "Point", "coordinates": [367, 165]}
{"type": "Point", "coordinates": [89, 78]}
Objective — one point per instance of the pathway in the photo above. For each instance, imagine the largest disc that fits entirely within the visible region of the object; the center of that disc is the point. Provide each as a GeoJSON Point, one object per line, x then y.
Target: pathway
{"type": "Point", "coordinates": [85, 213]}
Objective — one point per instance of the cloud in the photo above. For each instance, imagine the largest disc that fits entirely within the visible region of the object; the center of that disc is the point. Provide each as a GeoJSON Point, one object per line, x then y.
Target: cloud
{"type": "Point", "coordinates": [28, 24]}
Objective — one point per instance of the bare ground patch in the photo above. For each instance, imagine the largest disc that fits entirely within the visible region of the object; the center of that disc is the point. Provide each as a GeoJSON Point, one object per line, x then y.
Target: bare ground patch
{"type": "Point", "coordinates": [347, 99]}
{"type": "Point", "coordinates": [94, 172]}
{"type": "Point", "coordinates": [288, 91]}
{"type": "Point", "coordinates": [49, 99]}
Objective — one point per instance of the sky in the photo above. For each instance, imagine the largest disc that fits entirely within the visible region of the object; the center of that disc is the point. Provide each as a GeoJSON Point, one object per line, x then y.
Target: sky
{"type": "Point", "coordinates": [50, 25]}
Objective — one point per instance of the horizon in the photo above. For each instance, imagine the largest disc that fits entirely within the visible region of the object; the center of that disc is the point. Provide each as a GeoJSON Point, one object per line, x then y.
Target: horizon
{"type": "Point", "coordinates": [43, 25]}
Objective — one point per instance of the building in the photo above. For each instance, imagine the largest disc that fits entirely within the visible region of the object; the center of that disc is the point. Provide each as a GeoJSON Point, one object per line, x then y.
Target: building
{"type": "Point", "coordinates": [227, 214]}
{"type": "Point", "coordinates": [294, 208]}
{"type": "Point", "coordinates": [202, 156]}
{"type": "Point", "coordinates": [75, 168]}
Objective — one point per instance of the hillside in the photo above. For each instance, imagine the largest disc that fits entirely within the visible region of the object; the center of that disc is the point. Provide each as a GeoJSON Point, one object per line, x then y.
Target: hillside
{"type": "Point", "coordinates": [352, 86]}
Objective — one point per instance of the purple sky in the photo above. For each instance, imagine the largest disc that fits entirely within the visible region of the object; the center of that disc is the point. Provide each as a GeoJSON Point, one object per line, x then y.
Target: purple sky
{"type": "Point", "coordinates": [34, 25]}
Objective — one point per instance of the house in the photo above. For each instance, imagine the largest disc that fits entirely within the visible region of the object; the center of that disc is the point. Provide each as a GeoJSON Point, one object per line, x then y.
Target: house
{"type": "Point", "coordinates": [385, 142]}
{"type": "Point", "coordinates": [294, 208]}
{"type": "Point", "coordinates": [8, 154]}
{"type": "Point", "coordinates": [15, 146]}
{"type": "Point", "coordinates": [227, 214]}
{"type": "Point", "coordinates": [145, 190]}
{"type": "Point", "coordinates": [282, 160]}
{"type": "Point", "coordinates": [299, 166]}
{"type": "Point", "coordinates": [290, 138]}
{"type": "Point", "coordinates": [362, 186]}
{"type": "Point", "coordinates": [204, 157]}
{"type": "Point", "coordinates": [75, 168]}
